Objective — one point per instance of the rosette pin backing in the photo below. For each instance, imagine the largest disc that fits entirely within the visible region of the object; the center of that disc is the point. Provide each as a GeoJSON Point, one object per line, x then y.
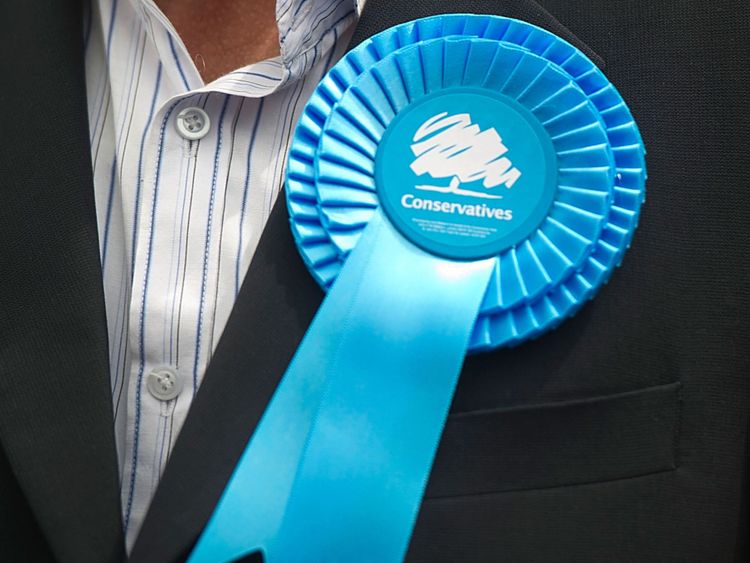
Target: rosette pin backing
{"type": "Point", "coordinates": [488, 118]}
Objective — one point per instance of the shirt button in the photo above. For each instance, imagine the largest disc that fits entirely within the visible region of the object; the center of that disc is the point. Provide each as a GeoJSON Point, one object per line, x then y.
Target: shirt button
{"type": "Point", "coordinates": [193, 123]}
{"type": "Point", "coordinates": [164, 383]}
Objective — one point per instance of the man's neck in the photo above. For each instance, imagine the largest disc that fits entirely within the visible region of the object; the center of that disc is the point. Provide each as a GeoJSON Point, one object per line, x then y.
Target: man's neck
{"type": "Point", "coordinates": [222, 35]}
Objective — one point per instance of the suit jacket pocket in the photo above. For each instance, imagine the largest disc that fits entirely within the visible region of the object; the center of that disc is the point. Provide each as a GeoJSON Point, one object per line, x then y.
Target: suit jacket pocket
{"type": "Point", "coordinates": [573, 442]}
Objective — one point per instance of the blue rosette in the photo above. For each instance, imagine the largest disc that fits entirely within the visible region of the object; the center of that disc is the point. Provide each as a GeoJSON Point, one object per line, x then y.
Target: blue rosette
{"type": "Point", "coordinates": [595, 174]}
{"type": "Point", "coordinates": [468, 182]}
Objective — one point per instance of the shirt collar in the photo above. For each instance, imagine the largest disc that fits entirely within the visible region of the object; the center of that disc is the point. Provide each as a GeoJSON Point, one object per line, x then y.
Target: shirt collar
{"type": "Point", "coordinates": [308, 30]}
{"type": "Point", "coordinates": [306, 26]}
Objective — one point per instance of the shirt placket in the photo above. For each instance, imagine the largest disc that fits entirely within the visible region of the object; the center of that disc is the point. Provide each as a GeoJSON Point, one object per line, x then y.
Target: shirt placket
{"type": "Point", "coordinates": [172, 199]}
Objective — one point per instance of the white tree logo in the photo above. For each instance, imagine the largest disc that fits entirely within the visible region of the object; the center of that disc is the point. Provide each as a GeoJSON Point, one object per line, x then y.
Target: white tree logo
{"type": "Point", "coordinates": [451, 146]}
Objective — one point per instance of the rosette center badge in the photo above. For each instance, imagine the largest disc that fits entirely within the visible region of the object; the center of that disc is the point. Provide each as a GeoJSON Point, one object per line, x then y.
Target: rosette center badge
{"type": "Point", "coordinates": [465, 173]}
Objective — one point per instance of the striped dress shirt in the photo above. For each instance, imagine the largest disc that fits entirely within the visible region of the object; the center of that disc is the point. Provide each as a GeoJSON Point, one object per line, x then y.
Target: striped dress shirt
{"type": "Point", "coordinates": [179, 219]}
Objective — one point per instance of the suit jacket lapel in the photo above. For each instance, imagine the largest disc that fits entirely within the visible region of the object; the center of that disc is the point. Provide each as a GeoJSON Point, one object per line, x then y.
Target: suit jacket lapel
{"type": "Point", "coordinates": [55, 406]}
{"type": "Point", "coordinates": [277, 301]}
{"type": "Point", "coordinates": [381, 14]}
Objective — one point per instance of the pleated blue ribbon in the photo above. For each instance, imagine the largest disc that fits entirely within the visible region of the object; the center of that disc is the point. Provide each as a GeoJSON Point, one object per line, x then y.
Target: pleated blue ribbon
{"type": "Point", "coordinates": [338, 464]}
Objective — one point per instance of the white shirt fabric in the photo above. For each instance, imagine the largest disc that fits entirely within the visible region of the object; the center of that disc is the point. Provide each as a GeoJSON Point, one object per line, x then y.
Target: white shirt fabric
{"type": "Point", "coordinates": [179, 220]}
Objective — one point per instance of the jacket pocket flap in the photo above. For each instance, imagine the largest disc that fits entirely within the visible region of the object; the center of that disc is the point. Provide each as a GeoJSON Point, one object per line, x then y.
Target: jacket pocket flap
{"type": "Point", "coordinates": [583, 441]}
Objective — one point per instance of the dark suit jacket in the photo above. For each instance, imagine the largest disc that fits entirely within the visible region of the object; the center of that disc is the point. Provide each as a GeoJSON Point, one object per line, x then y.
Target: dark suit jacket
{"type": "Point", "coordinates": [621, 436]}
